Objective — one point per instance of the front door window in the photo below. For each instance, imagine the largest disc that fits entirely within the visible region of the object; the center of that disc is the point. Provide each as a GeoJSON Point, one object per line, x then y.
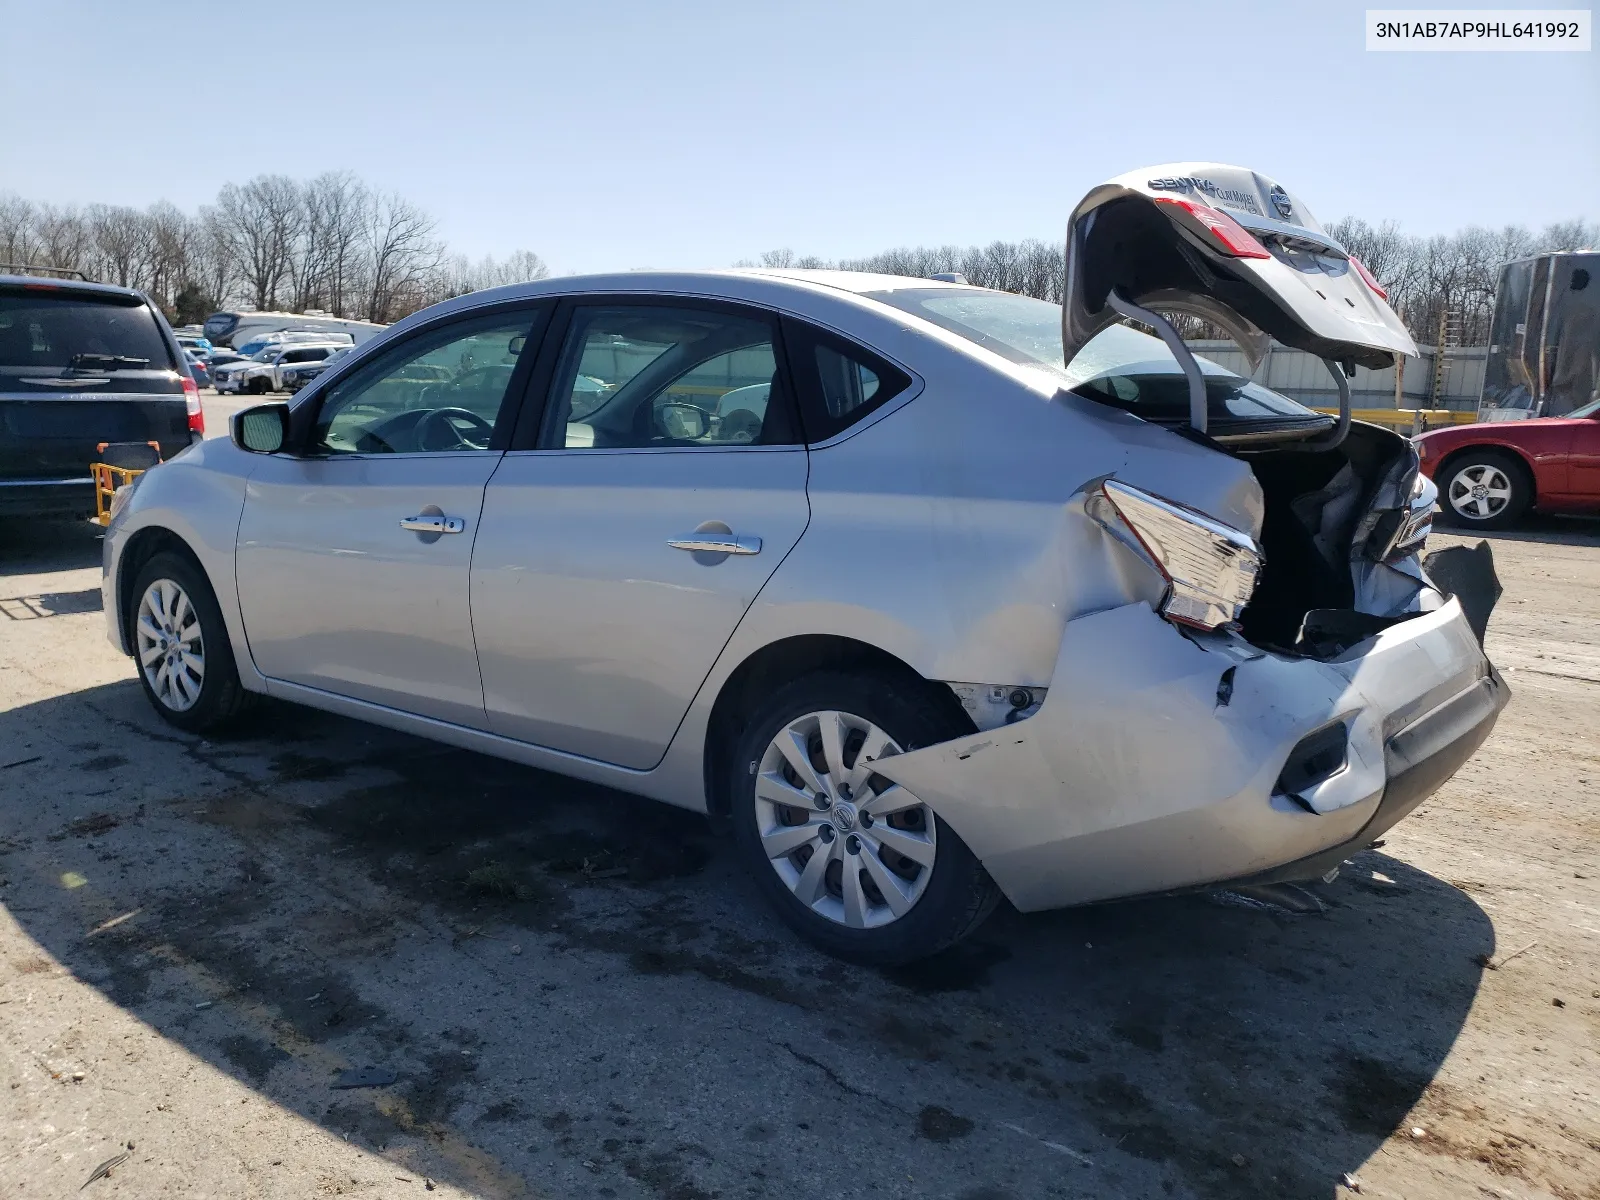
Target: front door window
{"type": "Point", "coordinates": [439, 392]}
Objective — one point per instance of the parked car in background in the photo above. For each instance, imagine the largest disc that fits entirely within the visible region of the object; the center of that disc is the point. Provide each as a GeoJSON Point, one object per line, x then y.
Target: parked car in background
{"type": "Point", "coordinates": [80, 364]}
{"type": "Point", "coordinates": [263, 371]}
{"type": "Point", "coordinates": [237, 328]}
{"type": "Point", "coordinates": [198, 345]}
{"type": "Point", "coordinates": [1492, 474]}
{"type": "Point", "coordinates": [933, 593]}
{"type": "Point", "coordinates": [287, 337]}
{"type": "Point", "coordinates": [295, 376]}
{"type": "Point", "coordinates": [221, 357]}
{"type": "Point", "coordinates": [198, 368]}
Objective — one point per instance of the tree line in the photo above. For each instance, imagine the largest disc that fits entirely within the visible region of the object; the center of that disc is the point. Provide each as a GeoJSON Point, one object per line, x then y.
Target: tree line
{"type": "Point", "coordinates": [1426, 277]}
{"type": "Point", "coordinates": [331, 243]}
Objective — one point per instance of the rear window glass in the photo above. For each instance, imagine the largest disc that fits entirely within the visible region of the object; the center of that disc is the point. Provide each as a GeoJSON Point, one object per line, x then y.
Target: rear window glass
{"type": "Point", "coordinates": [40, 330]}
{"type": "Point", "coordinates": [1120, 366]}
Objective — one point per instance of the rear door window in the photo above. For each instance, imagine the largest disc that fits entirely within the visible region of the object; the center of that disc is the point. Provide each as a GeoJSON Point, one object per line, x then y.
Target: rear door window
{"type": "Point", "coordinates": [839, 381]}
{"type": "Point", "coordinates": [56, 331]}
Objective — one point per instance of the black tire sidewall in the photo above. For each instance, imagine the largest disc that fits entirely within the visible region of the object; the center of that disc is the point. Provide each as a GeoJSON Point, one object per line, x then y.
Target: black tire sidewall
{"type": "Point", "coordinates": [1521, 490]}
{"type": "Point", "coordinates": [945, 911]}
{"type": "Point", "coordinates": [219, 690]}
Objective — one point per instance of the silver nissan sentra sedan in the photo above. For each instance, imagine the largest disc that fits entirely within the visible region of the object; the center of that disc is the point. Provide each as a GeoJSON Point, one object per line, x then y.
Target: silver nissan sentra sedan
{"type": "Point", "coordinates": [932, 593]}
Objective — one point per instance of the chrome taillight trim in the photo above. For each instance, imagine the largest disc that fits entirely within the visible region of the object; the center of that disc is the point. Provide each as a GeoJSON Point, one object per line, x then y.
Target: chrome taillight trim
{"type": "Point", "coordinates": [1210, 567]}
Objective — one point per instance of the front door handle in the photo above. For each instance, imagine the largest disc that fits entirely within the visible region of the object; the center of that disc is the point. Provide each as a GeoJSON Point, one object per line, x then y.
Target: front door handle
{"type": "Point", "coordinates": [717, 543]}
{"type": "Point", "coordinates": [433, 523]}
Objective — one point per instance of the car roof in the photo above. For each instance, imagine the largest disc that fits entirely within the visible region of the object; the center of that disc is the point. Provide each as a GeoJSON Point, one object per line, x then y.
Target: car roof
{"type": "Point", "coordinates": [752, 284]}
{"type": "Point", "coordinates": [859, 282]}
{"type": "Point", "coordinates": [40, 284]}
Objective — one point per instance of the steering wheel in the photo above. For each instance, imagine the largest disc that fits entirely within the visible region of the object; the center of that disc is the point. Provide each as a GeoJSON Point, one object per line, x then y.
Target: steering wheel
{"type": "Point", "coordinates": [441, 429]}
{"type": "Point", "coordinates": [741, 425]}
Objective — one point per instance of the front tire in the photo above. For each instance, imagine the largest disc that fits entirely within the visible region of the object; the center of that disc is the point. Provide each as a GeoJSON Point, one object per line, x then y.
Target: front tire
{"type": "Point", "coordinates": [1485, 489]}
{"type": "Point", "coordinates": [181, 646]}
{"type": "Point", "coordinates": [853, 863]}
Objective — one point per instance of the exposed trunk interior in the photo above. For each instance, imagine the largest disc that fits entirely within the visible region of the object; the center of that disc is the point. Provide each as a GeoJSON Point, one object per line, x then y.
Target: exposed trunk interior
{"type": "Point", "coordinates": [1318, 504]}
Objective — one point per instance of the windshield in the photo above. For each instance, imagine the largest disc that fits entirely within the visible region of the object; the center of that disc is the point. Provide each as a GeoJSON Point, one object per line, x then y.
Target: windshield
{"type": "Point", "coordinates": [1588, 410]}
{"type": "Point", "coordinates": [1120, 366]}
{"type": "Point", "coordinates": [43, 330]}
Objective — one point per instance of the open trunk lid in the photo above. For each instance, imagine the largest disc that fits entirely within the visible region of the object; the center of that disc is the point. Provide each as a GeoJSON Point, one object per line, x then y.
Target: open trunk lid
{"type": "Point", "coordinates": [1346, 513]}
{"type": "Point", "coordinates": [1228, 245]}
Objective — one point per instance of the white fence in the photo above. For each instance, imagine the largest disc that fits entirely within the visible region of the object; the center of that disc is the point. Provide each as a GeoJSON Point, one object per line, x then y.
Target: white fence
{"type": "Point", "coordinates": [1302, 376]}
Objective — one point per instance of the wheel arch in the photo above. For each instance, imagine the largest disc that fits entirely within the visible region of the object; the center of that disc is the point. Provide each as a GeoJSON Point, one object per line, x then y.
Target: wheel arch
{"type": "Point", "coordinates": [1514, 453]}
{"type": "Point", "coordinates": [777, 663]}
{"type": "Point", "coordinates": [143, 545]}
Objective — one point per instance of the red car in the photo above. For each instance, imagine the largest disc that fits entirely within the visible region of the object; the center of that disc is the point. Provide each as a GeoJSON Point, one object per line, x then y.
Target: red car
{"type": "Point", "coordinates": [1490, 475]}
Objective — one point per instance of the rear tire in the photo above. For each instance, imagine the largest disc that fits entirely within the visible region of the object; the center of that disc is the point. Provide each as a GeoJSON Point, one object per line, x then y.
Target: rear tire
{"type": "Point", "coordinates": [181, 647]}
{"type": "Point", "coordinates": [1485, 489]}
{"type": "Point", "coordinates": [893, 883]}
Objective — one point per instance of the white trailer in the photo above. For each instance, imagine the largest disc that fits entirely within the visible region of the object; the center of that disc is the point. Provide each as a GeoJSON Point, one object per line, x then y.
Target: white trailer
{"type": "Point", "coordinates": [237, 328]}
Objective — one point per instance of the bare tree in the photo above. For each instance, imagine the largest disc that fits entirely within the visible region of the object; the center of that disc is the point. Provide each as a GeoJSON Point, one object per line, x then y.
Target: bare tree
{"type": "Point", "coordinates": [120, 239]}
{"type": "Point", "coordinates": [62, 236]}
{"type": "Point", "coordinates": [402, 255]}
{"type": "Point", "coordinates": [215, 268]}
{"type": "Point", "coordinates": [262, 222]}
{"type": "Point", "coordinates": [18, 242]}
{"type": "Point", "coordinates": [173, 237]}
{"type": "Point", "coordinates": [326, 256]}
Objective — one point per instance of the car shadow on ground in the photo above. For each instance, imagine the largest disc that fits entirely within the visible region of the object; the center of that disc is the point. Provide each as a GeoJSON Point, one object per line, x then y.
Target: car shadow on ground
{"type": "Point", "coordinates": [1535, 527]}
{"type": "Point", "coordinates": [580, 988]}
{"type": "Point", "coordinates": [30, 547]}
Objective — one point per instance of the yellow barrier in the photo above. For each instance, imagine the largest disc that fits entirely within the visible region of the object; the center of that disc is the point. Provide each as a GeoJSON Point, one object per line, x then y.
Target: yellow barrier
{"type": "Point", "coordinates": [1405, 419]}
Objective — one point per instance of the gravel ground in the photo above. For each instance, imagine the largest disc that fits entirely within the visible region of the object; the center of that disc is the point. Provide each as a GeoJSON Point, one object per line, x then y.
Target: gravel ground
{"type": "Point", "coordinates": [581, 996]}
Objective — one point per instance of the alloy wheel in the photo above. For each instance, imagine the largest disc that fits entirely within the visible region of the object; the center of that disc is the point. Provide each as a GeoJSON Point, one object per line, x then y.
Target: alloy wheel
{"type": "Point", "coordinates": [170, 649]}
{"type": "Point", "coordinates": [1480, 491]}
{"type": "Point", "coordinates": [852, 846]}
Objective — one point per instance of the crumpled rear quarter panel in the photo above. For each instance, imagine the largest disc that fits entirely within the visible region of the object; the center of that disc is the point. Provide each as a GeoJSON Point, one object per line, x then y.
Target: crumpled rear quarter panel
{"type": "Point", "coordinates": [1133, 778]}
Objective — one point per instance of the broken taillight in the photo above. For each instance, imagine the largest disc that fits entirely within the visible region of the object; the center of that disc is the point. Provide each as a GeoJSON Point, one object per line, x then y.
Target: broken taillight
{"type": "Point", "coordinates": [1210, 568]}
{"type": "Point", "coordinates": [1234, 238]}
{"type": "Point", "coordinates": [1368, 278]}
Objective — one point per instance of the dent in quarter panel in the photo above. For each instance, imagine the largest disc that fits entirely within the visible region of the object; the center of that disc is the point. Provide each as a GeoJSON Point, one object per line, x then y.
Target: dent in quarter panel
{"type": "Point", "coordinates": [951, 533]}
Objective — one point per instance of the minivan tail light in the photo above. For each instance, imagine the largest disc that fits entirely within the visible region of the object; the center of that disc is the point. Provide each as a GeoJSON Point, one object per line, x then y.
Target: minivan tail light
{"type": "Point", "coordinates": [1235, 238]}
{"type": "Point", "coordinates": [191, 401]}
{"type": "Point", "coordinates": [1210, 568]}
{"type": "Point", "coordinates": [1368, 278]}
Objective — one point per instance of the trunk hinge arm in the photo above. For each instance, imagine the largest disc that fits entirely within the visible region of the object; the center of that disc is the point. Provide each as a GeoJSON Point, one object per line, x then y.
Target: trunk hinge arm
{"type": "Point", "coordinates": [1197, 382]}
{"type": "Point", "coordinates": [1181, 352]}
{"type": "Point", "coordinates": [1333, 437]}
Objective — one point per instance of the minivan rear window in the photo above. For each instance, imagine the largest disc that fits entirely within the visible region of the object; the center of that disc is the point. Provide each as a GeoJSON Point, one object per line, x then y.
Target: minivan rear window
{"type": "Point", "coordinates": [1120, 366]}
{"type": "Point", "coordinates": [41, 330]}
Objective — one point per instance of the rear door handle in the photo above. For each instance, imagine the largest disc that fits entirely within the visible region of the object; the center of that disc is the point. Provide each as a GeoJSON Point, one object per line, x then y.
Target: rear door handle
{"type": "Point", "coordinates": [433, 523]}
{"type": "Point", "coordinates": [717, 543]}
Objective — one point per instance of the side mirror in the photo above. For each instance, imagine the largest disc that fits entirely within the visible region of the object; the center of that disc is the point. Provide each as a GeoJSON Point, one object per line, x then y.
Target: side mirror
{"type": "Point", "coordinates": [684, 422]}
{"type": "Point", "coordinates": [263, 429]}
{"type": "Point", "coordinates": [515, 345]}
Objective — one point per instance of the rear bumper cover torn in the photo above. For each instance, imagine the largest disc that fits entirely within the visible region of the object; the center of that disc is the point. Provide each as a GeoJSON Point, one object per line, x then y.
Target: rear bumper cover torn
{"type": "Point", "coordinates": [1142, 773]}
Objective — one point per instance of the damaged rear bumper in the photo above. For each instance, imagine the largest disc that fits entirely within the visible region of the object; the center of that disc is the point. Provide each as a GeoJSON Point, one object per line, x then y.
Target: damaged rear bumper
{"type": "Point", "coordinates": [1157, 762]}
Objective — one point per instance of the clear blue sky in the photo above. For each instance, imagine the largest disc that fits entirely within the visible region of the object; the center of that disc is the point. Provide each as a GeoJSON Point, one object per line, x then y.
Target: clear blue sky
{"type": "Point", "coordinates": [696, 133]}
